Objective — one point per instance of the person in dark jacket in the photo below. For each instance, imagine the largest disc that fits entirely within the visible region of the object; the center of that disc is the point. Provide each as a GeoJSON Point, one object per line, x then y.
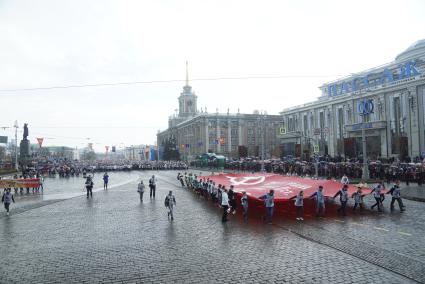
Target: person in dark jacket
{"type": "Point", "coordinates": [396, 196]}
{"type": "Point", "coordinates": [7, 198]}
{"type": "Point", "coordinates": [232, 199]}
{"type": "Point", "coordinates": [105, 181]}
{"type": "Point", "coordinates": [89, 186]}
{"type": "Point", "coordinates": [244, 204]}
{"type": "Point", "coordinates": [343, 198]}
{"type": "Point", "coordinates": [170, 202]}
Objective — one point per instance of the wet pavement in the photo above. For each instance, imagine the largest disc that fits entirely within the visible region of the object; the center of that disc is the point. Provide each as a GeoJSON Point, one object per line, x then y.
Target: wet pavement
{"type": "Point", "coordinates": [114, 238]}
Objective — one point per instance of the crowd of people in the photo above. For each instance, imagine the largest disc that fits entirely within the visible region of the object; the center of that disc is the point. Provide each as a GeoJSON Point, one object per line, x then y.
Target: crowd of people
{"type": "Point", "coordinates": [330, 168]}
{"type": "Point", "coordinates": [68, 168]}
{"type": "Point", "coordinates": [218, 194]}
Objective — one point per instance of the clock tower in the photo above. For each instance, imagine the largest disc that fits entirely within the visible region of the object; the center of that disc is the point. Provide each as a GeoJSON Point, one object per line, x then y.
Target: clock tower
{"type": "Point", "coordinates": [187, 100]}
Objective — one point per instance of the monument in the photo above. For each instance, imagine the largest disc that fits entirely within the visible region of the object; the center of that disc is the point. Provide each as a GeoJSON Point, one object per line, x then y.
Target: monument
{"type": "Point", "coordinates": [24, 146]}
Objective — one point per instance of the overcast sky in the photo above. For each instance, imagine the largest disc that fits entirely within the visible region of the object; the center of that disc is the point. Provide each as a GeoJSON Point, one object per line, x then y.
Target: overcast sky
{"type": "Point", "coordinates": [49, 43]}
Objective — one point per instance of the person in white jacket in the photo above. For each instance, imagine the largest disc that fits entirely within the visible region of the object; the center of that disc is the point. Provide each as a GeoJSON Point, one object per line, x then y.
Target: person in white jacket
{"type": "Point", "coordinates": [345, 180]}
{"type": "Point", "coordinates": [141, 190]}
{"type": "Point", "coordinates": [224, 204]}
{"type": "Point", "coordinates": [299, 204]}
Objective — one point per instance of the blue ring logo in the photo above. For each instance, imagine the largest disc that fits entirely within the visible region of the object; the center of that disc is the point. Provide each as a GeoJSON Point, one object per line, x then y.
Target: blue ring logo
{"type": "Point", "coordinates": [365, 107]}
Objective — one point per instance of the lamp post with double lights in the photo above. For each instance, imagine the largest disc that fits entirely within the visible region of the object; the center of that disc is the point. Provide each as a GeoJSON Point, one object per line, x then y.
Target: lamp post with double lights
{"type": "Point", "coordinates": [365, 108]}
{"type": "Point", "coordinates": [261, 120]}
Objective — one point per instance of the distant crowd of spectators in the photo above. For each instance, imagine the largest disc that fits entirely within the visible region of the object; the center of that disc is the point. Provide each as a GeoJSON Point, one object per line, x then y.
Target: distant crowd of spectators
{"type": "Point", "coordinates": [389, 170]}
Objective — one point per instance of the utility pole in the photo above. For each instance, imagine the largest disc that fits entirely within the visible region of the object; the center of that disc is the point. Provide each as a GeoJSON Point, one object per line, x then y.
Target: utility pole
{"type": "Point", "coordinates": [16, 145]}
{"type": "Point", "coordinates": [262, 140]}
{"type": "Point", "coordinates": [365, 108]}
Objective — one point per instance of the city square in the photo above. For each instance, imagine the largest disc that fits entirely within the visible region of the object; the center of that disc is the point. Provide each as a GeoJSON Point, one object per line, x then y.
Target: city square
{"type": "Point", "coordinates": [116, 238]}
{"type": "Point", "coordinates": [212, 141]}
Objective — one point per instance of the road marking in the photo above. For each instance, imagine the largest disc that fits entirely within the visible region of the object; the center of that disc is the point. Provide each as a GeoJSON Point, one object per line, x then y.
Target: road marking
{"type": "Point", "coordinates": [403, 233]}
{"type": "Point", "coordinates": [381, 229]}
{"type": "Point", "coordinates": [340, 221]}
{"type": "Point", "coordinates": [358, 224]}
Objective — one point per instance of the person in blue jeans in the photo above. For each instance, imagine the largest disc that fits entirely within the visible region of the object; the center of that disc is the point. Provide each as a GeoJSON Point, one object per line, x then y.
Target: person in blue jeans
{"type": "Point", "coordinates": [105, 181]}
{"type": "Point", "coordinates": [320, 201]}
{"type": "Point", "coordinates": [269, 202]}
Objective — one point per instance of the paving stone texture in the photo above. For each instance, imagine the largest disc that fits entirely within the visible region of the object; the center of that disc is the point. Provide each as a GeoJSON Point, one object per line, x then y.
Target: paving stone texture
{"type": "Point", "coordinates": [114, 238]}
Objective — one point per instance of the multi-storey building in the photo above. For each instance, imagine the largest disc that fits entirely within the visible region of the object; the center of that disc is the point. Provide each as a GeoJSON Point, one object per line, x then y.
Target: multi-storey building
{"type": "Point", "coordinates": [387, 101]}
{"type": "Point", "coordinates": [230, 134]}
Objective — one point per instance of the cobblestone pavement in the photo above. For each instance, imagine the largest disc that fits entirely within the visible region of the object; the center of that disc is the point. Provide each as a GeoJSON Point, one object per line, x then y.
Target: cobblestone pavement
{"type": "Point", "coordinates": [113, 238]}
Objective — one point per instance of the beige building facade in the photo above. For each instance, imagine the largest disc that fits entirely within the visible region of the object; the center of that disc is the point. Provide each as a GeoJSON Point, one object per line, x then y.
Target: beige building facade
{"type": "Point", "coordinates": [233, 135]}
{"type": "Point", "coordinates": [388, 101]}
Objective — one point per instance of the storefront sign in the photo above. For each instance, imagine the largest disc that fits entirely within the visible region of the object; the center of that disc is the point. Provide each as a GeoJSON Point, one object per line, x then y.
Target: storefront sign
{"type": "Point", "coordinates": [358, 83]}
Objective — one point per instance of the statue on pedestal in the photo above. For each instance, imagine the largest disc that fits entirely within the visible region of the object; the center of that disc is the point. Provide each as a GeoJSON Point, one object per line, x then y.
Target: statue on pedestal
{"type": "Point", "coordinates": [24, 147]}
{"type": "Point", "coordinates": [25, 131]}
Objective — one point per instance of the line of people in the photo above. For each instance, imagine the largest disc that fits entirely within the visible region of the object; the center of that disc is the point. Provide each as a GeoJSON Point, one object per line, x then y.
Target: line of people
{"type": "Point", "coordinates": [217, 193]}
{"type": "Point", "coordinates": [226, 198]}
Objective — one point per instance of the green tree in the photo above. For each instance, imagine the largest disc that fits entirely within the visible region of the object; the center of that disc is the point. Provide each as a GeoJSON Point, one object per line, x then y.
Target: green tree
{"type": "Point", "coordinates": [171, 152]}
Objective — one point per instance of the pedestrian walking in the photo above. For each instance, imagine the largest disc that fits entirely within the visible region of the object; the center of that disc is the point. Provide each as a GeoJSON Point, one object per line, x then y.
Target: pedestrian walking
{"type": "Point", "coordinates": [358, 199]}
{"type": "Point", "coordinates": [170, 202]}
{"type": "Point", "coordinates": [105, 181]}
{"type": "Point", "coordinates": [89, 186]}
{"type": "Point", "coordinates": [141, 190]}
{"type": "Point", "coordinates": [224, 204]}
{"type": "Point", "coordinates": [382, 193]}
{"type": "Point", "coordinates": [299, 205]}
{"type": "Point", "coordinates": [269, 203]}
{"type": "Point", "coordinates": [244, 204]}
{"type": "Point", "coordinates": [343, 198]}
{"type": "Point", "coordinates": [152, 186]}
{"type": "Point", "coordinates": [396, 196]}
{"type": "Point", "coordinates": [376, 191]}
{"type": "Point", "coordinates": [320, 201]}
{"type": "Point", "coordinates": [6, 199]}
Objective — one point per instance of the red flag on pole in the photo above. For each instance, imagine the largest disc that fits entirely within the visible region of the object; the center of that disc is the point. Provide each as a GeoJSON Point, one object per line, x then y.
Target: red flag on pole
{"type": "Point", "coordinates": [40, 141]}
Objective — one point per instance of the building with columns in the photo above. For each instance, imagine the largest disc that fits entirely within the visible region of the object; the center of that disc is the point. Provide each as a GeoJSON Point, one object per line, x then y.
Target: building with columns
{"type": "Point", "coordinates": [391, 98]}
{"type": "Point", "coordinates": [233, 135]}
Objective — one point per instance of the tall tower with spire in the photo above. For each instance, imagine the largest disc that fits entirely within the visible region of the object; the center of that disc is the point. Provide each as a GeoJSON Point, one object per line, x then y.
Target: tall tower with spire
{"type": "Point", "coordinates": [188, 100]}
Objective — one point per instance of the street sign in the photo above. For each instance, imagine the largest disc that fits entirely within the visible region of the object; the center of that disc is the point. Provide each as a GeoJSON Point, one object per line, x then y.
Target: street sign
{"type": "Point", "coordinates": [3, 139]}
{"type": "Point", "coordinates": [282, 131]}
{"type": "Point", "coordinates": [316, 149]}
{"type": "Point", "coordinates": [365, 107]}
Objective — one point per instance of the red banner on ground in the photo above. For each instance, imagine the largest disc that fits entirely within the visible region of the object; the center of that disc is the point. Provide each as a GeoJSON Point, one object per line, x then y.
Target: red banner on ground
{"type": "Point", "coordinates": [9, 183]}
{"type": "Point", "coordinates": [285, 187]}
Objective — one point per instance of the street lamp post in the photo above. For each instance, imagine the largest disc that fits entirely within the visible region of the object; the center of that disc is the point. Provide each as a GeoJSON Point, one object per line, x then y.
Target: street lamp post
{"type": "Point", "coordinates": [262, 128]}
{"type": "Point", "coordinates": [16, 145]}
{"type": "Point", "coordinates": [365, 108]}
{"type": "Point", "coordinates": [365, 174]}
{"type": "Point", "coordinates": [262, 144]}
